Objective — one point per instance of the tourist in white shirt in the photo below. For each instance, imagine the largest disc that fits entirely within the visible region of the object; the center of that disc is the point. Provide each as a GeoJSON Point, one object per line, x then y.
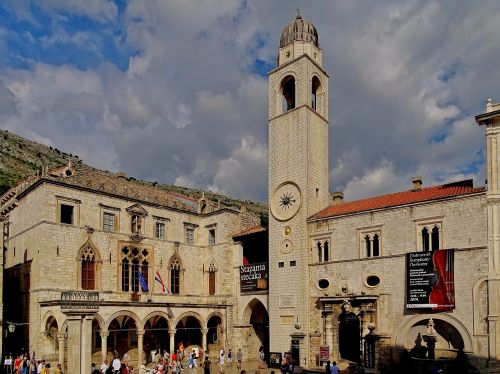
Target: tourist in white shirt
{"type": "Point", "coordinates": [117, 365]}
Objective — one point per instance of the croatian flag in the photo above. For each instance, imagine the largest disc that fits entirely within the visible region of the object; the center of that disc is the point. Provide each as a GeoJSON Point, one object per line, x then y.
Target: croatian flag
{"type": "Point", "coordinates": [142, 282]}
{"type": "Point", "coordinates": [159, 280]}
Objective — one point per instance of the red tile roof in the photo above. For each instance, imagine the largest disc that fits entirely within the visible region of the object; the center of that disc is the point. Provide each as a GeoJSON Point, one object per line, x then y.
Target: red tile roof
{"type": "Point", "coordinates": [249, 231]}
{"type": "Point", "coordinates": [455, 189]}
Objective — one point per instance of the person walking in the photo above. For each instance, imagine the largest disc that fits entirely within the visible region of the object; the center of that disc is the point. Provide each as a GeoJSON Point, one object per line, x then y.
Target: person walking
{"type": "Point", "coordinates": [59, 369]}
{"type": "Point", "coordinates": [206, 365]}
{"type": "Point", "coordinates": [221, 360]}
{"type": "Point", "coordinates": [261, 358]}
{"type": "Point", "coordinates": [239, 358]}
{"type": "Point", "coordinates": [229, 358]}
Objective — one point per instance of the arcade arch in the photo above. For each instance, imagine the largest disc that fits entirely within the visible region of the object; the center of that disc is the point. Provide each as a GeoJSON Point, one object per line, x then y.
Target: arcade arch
{"type": "Point", "coordinates": [188, 332]}
{"type": "Point", "coordinates": [453, 334]}
{"type": "Point", "coordinates": [257, 317]}
{"type": "Point", "coordinates": [156, 335]}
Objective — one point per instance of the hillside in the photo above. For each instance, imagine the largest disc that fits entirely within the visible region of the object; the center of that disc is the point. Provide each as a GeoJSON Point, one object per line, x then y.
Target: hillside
{"type": "Point", "coordinates": [20, 157]}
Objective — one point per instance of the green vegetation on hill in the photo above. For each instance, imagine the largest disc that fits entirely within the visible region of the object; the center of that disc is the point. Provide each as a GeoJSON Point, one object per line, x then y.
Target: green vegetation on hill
{"type": "Point", "coordinates": [20, 158]}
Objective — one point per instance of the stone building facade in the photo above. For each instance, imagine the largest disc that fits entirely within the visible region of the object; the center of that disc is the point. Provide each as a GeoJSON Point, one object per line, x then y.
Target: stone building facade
{"type": "Point", "coordinates": [77, 242]}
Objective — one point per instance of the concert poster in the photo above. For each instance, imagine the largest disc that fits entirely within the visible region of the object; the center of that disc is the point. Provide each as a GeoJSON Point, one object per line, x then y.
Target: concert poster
{"type": "Point", "coordinates": [430, 282]}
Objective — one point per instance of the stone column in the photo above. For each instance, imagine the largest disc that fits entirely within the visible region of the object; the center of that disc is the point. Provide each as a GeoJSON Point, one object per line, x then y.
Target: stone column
{"type": "Point", "coordinates": [329, 333]}
{"type": "Point", "coordinates": [60, 340]}
{"type": "Point", "coordinates": [104, 344]}
{"type": "Point", "coordinates": [171, 334]}
{"type": "Point", "coordinates": [140, 337]}
{"type": "Point", "coordinates": [74, 343]}
{"type": "Point", "coordinates": [86, 348]}
{"type": "Point", "coordinates": [204, 333]}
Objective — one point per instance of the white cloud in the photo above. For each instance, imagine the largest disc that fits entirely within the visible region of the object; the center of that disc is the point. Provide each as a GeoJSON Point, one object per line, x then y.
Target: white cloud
{"type": "Point", "coordinates": [188, 108]}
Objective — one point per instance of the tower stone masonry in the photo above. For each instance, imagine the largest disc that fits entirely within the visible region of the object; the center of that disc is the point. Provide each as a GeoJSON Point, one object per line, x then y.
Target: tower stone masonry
{"type": "Point", "coordinates": [298, 178]}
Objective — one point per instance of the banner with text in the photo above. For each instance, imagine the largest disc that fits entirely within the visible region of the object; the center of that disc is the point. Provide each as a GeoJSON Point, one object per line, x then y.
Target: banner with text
{"type": "Point", "coordinates": [254, 277]}
{"type": "Point", "coordinates": [430, 282]}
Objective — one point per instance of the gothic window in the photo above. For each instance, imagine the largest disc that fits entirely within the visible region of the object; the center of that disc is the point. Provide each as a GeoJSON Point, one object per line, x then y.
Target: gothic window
{"type": "Point", "coordinates": [375, 246]}
{"type": "Point", "coordinates": [88, 266]}
{"type": "Point", "coordinates": [125, 275]}
{"type": "Point", "coordinates": [370, 243]}
{"type": "Point", "coordinates": [429, 236]}
{"type": "Point", "coordinates": [435, 238]}
{"type": "Point", "coordinates": [425, 239]}
{"type": "Point", "coordinates": [314, 93]}
{"type": "Point", "coordinates": [88, 269]}
{"type": "Point", "coordinates": [323, 251]}
{"type": "Point", "coordinates": [288, 90]}
{"type": "Point", "coordinates": [175, 275]}
{"type": "Point", "coordinates": [211, 279]}
{"type": "Point", "coordinates": [134, 261]}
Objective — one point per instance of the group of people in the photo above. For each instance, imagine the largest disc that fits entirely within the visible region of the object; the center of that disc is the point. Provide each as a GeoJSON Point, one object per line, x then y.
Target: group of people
{"type": "Point", "coordinates": [23, 364]}
{"type": "Point", "coordinates": [117, 366]}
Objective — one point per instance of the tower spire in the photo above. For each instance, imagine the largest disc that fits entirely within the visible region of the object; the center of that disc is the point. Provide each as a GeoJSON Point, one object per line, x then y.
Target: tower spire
{"type": "Point", "coordinates": [298, 13]}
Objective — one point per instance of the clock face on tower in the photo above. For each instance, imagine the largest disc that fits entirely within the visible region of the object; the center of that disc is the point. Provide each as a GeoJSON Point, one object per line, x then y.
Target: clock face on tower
{"type": "Point", "coordinates": [286, 201]}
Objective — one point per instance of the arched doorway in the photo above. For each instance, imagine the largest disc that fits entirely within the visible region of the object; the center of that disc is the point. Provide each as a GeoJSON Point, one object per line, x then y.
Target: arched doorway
{"type": "Point", "coordinates": [156, 337]}
{"type": "Point", "coordinates": [215, 331]}
{"type": "Point", "coordinates": [258, 335]}
{"type": "Point", "coordinates": [51, 346]}
{"type": "Point", "coordinates": [188, 333]}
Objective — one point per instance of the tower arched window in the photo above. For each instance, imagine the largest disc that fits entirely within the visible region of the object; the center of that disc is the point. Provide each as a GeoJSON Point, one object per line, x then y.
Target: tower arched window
{"type": "Point", "coordinates": [288, 91]}
{"type": "Point", "coordinates": [134, 261]}
{"type": "Point", "coordinates": [320, 250]}
{"type": "Point", "coordinates": [326, 250]}
{"type": "Point", "coordinates": [314, 92]}
{"type": "Point", "coordinates": [435, 238]}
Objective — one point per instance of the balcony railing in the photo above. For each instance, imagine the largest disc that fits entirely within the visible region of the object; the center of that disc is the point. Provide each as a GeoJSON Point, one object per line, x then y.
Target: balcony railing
{"type": "Point", "coordinates": [85, 301]}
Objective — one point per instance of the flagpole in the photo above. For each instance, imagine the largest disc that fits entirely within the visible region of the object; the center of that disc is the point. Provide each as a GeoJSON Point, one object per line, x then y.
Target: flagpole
{"type": "Point", "coordinates": [152, 288]}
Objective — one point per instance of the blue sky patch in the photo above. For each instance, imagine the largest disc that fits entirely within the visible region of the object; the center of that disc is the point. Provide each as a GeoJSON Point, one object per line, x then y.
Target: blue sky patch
{"type": "Point", "coordinates": [65, 40]}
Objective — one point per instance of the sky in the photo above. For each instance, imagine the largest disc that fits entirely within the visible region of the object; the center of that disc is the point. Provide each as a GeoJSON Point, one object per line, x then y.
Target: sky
{"type": "Point", "coordinates": [175, 91]}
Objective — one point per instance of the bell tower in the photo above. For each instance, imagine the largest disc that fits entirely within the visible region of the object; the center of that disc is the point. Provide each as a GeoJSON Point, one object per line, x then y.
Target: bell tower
{"type": "Point", "coordinates": [298, 180]}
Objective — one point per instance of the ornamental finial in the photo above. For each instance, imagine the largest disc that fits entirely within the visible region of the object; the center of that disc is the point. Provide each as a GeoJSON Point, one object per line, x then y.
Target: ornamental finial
{"type": "Point", "coordinates": [298, 13]}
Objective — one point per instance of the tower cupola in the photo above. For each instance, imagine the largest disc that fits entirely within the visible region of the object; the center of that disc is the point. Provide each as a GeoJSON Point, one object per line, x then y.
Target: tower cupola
{"type": "Point", "coordinates": [299, 30]}
{"type": "Point", "coordinates": [299, 38]}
